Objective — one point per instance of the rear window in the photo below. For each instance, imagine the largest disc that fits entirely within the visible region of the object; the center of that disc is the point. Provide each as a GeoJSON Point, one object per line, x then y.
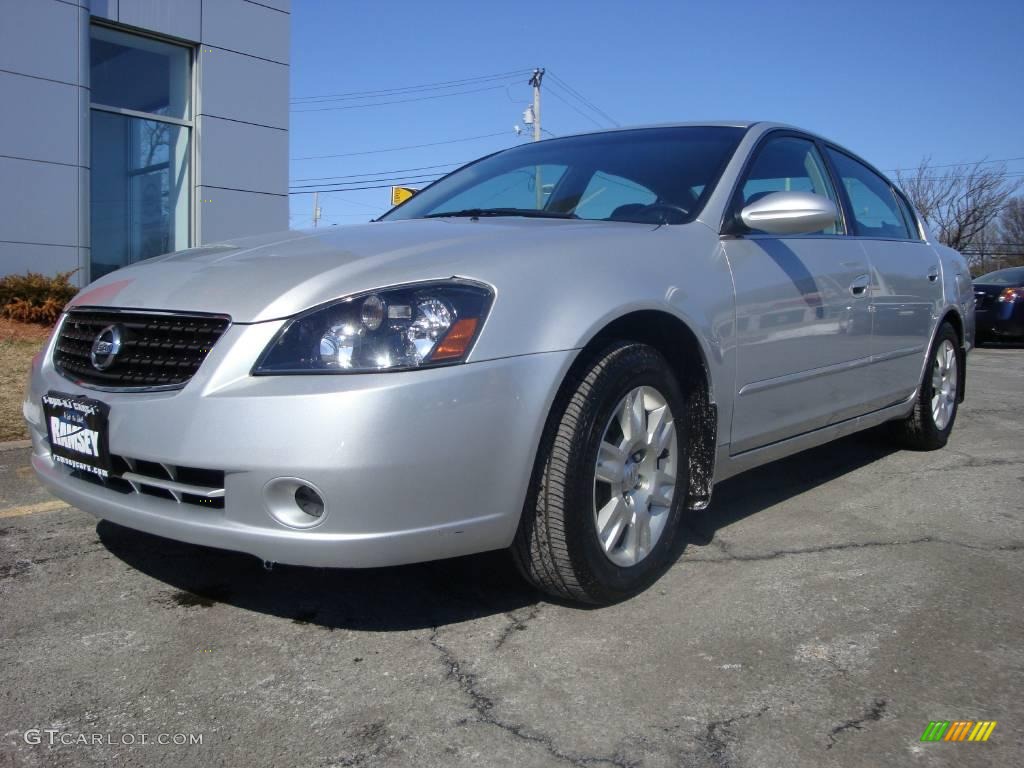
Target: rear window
{"type": "Point", "coordinates": [1014, 276]}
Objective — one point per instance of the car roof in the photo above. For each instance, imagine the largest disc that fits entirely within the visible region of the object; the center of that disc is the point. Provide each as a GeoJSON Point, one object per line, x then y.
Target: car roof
{"type": "Point", "coordinates": [764, 125]}
{"type": "Point", "coordinates": [745, 124]}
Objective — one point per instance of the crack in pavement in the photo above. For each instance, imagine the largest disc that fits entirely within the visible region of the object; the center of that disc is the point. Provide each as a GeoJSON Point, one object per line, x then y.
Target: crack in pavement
{"type": "Point", "coordinates": [483, 705]}
{"type": "Point", "coordinates": [515, 624]}
{"type": "Point", "coordinates": [716, 737]}
{"type": "Point", "coordinates": [730, 555]}
{"type": "Point", "coordinates": [871, 715]}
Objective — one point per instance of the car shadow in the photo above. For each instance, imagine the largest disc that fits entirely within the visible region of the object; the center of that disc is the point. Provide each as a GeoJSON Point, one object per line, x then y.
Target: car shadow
{"type": "Point", "coordinates": [774, 483]}
{"type": "Point", "coordinates": [447, 591]}
{"type": "Point", "coordinates": [377, 599]}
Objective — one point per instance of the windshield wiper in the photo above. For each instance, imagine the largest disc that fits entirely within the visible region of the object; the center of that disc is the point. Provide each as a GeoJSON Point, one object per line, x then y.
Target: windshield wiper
{"type": "Point", "coordinates": [476, 213]}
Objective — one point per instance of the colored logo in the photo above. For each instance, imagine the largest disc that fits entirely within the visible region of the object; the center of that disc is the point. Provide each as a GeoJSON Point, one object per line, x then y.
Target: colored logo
{"type": "Point", "coordinates": [958, 730]}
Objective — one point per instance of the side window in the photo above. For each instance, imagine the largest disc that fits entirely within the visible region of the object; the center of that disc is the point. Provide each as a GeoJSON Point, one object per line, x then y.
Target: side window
{"type": "Point", "coordinates": [606, 193]}
{"type": "Point", "coordinates": [908, 216]}
{"type": "Point", "coordinates": [789, 164]}
{"type": "Point", "coordinates": [872, 200]}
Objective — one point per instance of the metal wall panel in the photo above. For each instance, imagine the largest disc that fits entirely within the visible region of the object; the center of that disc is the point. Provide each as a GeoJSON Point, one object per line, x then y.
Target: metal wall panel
{"type": "Point", "coordinates": [39, 202]}
{"type": "Point", "coordinates": [47, 259]}
{"type": "Point", "coordinates": [240, 87]}
{"type": "Point", "coordinates": [107, 9]}
{"type": "Point", "coordinates": [40, 38]}
{"type": "Point", "coordinates": [177, 18]}
{"type": "Point", "coordinates": [41, 119]}
{"type": "Point", "coordinates": [242, 156]}
{"type": "Point", "coordinates": [245, 27]}
{"type": "Point", "coordinates": [239, 213]}
{"type": "Point", "coordinates": [281, 5]}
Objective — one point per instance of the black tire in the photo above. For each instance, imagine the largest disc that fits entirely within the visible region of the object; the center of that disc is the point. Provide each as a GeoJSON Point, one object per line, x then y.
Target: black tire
{"type": "Point", "coordinates": [556, 546]}
{"type": "Point", "coordinates": [918, 431]}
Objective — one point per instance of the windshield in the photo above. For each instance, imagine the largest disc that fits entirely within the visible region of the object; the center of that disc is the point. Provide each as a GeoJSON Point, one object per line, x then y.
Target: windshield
{"type": "Point", "coordinates": [1002, 277]}
{"type": "Point", "coordinates": [647, 175]}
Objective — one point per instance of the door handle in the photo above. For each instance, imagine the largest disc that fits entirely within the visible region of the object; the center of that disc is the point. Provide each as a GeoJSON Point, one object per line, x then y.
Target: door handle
{"type": "Point", "coordinates": [860, 285]}
{"type": "Point", "coordinates": [933, 274]}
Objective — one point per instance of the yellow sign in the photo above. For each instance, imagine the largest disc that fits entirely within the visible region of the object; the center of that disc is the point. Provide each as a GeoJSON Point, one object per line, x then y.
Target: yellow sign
{"type": "Point", "coordinates": [400, 194]}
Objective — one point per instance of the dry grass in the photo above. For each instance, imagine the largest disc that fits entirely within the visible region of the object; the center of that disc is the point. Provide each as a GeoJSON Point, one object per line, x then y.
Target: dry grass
{"type": "Point", "coordinates": [18, 344]}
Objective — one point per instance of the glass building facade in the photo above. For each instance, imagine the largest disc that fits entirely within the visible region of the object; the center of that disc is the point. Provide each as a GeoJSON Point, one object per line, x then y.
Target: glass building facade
{"type": "Point", "coordinates": [130, 129]}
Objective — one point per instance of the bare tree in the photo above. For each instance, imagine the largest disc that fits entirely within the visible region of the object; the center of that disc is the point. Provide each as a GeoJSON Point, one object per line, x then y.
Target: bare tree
{"type": "Point", "coordinates": [961, 202]}
{"type": "Point", "coordinates": [984, 252]}
{"type": "Point", "coordinates": [1011, 223]}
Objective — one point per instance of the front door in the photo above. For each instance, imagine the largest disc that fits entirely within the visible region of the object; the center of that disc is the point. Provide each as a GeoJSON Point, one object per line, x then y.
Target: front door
{"type": "Point", "coordinates": [803, 330]}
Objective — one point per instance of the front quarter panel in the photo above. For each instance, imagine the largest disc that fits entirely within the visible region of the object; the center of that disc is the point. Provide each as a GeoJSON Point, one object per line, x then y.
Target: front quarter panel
{"type": "Point", "coordinates": [569, 290]}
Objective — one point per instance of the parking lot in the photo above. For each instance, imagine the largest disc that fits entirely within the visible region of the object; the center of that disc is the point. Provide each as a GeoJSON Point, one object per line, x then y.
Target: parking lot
{"type": "Point", "coordinates": [825, 610]}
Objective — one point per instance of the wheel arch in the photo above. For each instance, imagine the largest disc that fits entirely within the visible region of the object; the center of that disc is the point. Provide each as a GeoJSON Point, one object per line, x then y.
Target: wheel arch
{"type": "Point", "coordinates": [952, 316]}
{"type": "Point", "coordinates": [681, 347]}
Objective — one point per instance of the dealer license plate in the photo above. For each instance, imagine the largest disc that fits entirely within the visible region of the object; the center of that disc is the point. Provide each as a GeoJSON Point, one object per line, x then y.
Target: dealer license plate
{"type": "Point", "coordinates": [77, 427]}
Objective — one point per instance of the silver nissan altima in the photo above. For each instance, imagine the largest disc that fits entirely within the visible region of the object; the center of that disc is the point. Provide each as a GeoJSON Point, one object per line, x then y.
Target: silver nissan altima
{"type": "Point", "coordinates": [557, 349]}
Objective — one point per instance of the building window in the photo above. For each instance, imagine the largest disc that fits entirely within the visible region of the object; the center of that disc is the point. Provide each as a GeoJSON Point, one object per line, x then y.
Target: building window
{"type": "Point", "coordinates": [141, 138]}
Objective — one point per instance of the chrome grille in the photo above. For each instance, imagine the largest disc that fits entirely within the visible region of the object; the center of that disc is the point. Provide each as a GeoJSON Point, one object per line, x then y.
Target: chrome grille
{"type": "Point", "coordinates": [157, 349]}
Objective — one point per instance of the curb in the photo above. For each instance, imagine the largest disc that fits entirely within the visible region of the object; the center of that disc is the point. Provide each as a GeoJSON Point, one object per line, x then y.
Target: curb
{"type": "Point", "coordinates": [12, 445]}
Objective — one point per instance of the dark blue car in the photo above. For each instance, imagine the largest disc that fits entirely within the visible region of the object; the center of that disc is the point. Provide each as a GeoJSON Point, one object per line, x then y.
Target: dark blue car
{"type": "Point", "coordinates": [999, 307]}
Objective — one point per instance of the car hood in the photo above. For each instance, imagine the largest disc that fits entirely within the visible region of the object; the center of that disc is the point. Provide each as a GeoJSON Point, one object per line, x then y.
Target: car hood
{"type": "Point", "coordinates": [268, 277]}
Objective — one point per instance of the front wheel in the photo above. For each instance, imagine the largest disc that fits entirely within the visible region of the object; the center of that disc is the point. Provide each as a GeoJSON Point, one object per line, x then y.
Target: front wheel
{"type": "Point", "coordinates": [928, 426]}
{"type": "Point", "coordinates": [610, 482]}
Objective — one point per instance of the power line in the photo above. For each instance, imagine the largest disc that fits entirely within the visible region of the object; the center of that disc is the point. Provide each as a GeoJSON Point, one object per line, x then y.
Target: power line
{"type": "Point", "coordinates": [349, 201]}
{"type": "Point", "coordinates": [573, 107]}
{"type": "Point", "coordinates": [958, 165]}
{"type": "Point", "coordinates": [415, 178]}
{"type": "Point", "coordinates": [348, 189]}
{"type": "Point", "coordinates": [399, 101]}
{"type": "Point", "coordinates": [584, 100]}
{"type": "Point", "coordinates": [398, 149]}
{"type": "Point", "coordinates": [381, 173]}
{"type": "Point", "coordinates": [409, 88]}
{"type": "Point", "coordinates": [1014, 175]}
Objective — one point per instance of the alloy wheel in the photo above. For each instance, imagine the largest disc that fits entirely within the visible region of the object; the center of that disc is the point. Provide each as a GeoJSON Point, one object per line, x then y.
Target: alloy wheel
{"type": "Point", "coordinates": [944, 384]}
{"type": "Point", "coordinates": [635, 476]}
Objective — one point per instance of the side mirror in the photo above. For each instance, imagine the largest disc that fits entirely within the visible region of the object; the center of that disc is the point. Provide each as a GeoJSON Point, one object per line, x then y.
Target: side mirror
{"type": "Point", "coordinates": [790, 213]}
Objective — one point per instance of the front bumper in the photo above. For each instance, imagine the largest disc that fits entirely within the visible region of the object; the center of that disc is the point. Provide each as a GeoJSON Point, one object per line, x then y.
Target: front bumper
{"type": "Point", "coordinates": [413, 466]}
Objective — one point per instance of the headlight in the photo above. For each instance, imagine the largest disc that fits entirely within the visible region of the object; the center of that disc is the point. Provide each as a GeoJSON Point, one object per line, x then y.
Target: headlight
{"type": "Point", "coordinates": [411, 326]}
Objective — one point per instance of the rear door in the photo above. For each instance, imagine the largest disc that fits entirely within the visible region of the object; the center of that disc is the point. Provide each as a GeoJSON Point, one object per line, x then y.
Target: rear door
{"type": "Point", "coordinates": [803, 331]}
{"type": "Point", "coordinates": [906, 279]}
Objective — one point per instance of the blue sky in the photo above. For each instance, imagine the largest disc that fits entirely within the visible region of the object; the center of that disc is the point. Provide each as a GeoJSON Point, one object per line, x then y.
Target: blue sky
{"type": "Point", "coordinates": [892, 80]}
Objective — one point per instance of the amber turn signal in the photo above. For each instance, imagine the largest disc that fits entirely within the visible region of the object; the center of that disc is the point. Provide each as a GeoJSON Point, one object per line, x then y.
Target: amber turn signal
{"type": "Point", "coordinates": [457, 340]}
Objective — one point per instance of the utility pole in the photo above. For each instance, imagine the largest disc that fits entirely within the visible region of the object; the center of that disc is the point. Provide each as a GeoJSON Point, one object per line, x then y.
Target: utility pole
{"type": "Point", "coordinates": [316, 209]}
{"type": "Point", "coordinates": [538, 75]}
{"type": "Point", "coordinates": [538, 182]}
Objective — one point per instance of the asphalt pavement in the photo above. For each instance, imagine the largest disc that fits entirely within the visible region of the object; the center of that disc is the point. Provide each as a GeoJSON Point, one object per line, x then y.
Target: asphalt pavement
{"type": "Point", "coordinates": [825, 610]}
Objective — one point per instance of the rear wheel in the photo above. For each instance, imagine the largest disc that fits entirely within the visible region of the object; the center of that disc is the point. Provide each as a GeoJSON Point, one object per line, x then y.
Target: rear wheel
{"type": "Point", "coordinates": [928, 426]}
{"type": "Point", "coordinates": [610, 481]}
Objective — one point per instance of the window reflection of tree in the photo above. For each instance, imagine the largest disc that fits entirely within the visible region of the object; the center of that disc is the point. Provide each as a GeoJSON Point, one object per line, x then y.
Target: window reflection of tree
{"type": "Point", "coordinates": [149, 184]}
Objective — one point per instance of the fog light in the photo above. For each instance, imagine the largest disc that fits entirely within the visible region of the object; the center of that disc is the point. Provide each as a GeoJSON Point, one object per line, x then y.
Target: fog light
{"type": "Point", "coordinates": [309, 501]}
{"type": "Point", "coordinates": [294, 502]}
